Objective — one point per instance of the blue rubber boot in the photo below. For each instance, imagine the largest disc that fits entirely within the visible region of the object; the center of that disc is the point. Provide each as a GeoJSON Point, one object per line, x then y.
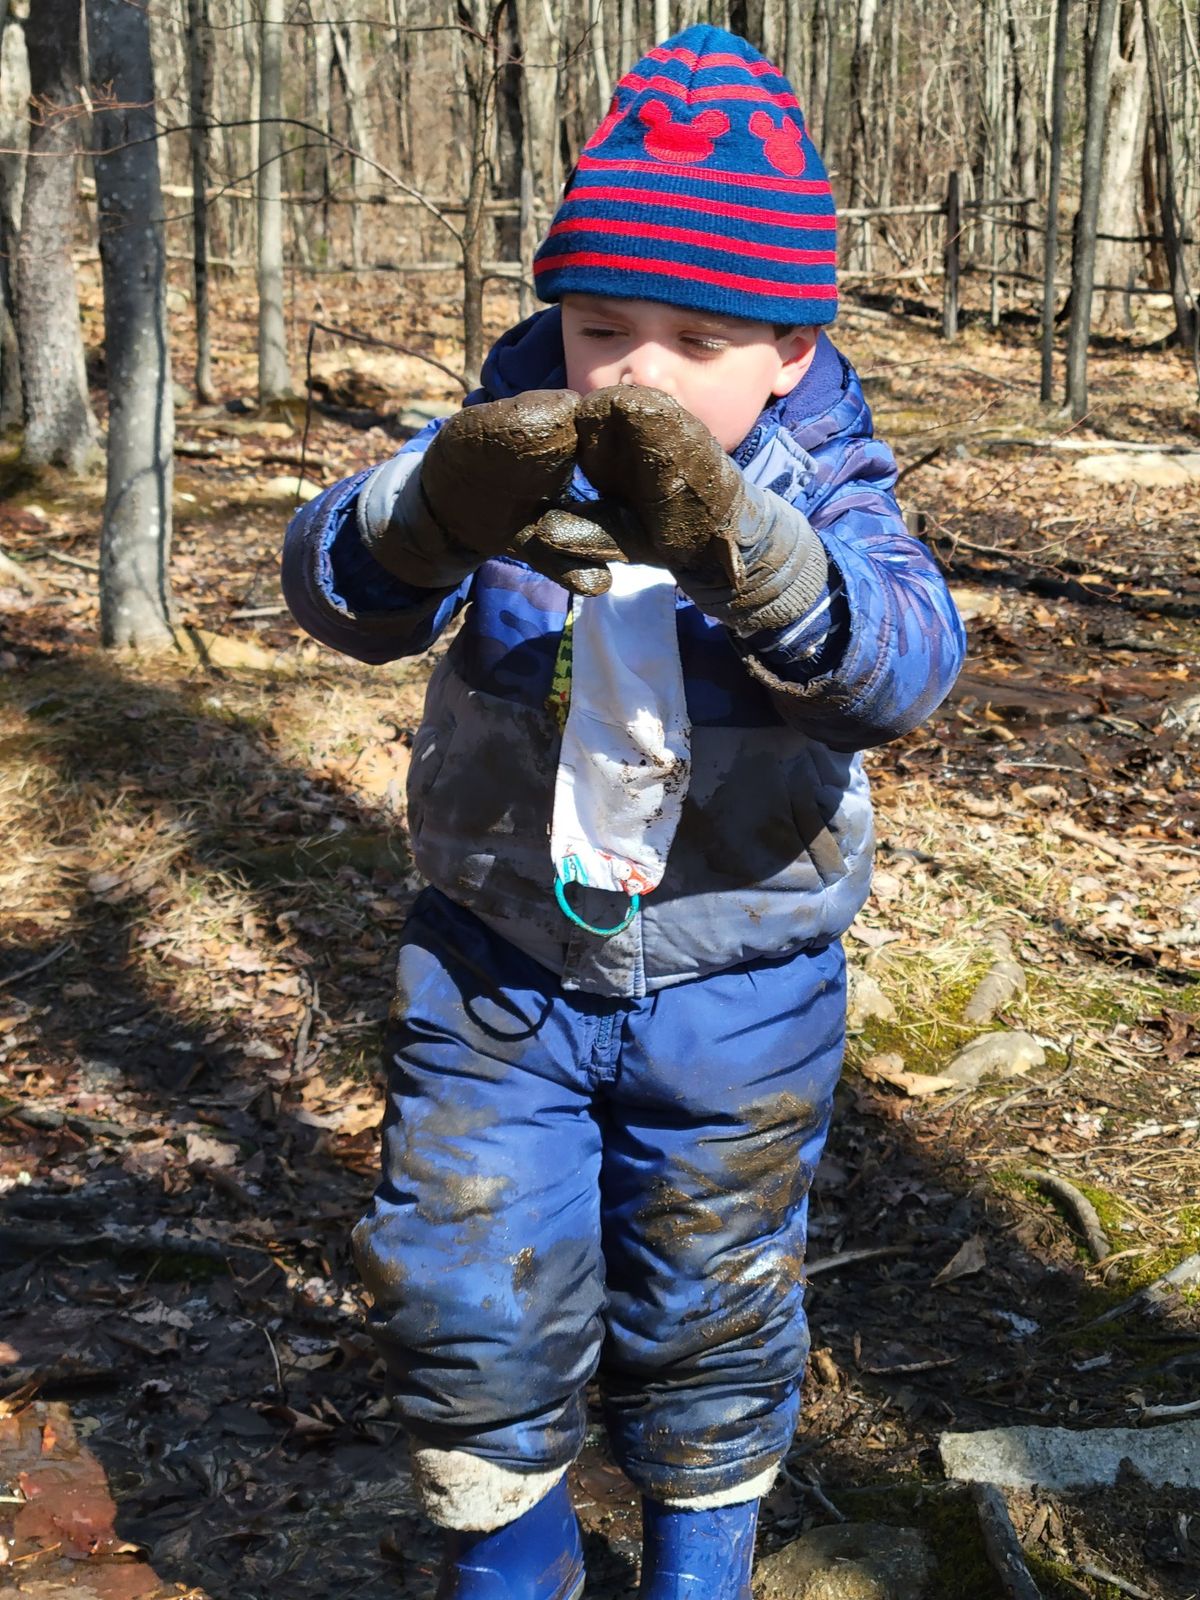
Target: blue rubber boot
{"type": "Point", "coordinates": [697, 1555]}
{"type": "Point", "coordinates": [537, 1557]}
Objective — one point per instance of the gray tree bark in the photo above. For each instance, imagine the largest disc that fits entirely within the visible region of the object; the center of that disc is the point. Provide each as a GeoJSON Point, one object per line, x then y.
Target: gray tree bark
{"type": "Point", "coordinates": [1187, 313]}
{"type": "Point", "coordinates": [274, 373]}
{"type": "Point", "coordinates": [538, 25]}
{"type": "Point", "coordinates": [135, 594]}
{"type": "Point", "coordinates": [1083, 263]}
{"type": "Point", "coordinates": [200, 95]}
{"type": "Point", "coordinates": [59, 426]}
{"type": "Point", "coordinates": [14, 114]}
{"type": "Point", "coordinates": [1116, 262]}
{"type": "Point", "coordinates": [1058, 114]}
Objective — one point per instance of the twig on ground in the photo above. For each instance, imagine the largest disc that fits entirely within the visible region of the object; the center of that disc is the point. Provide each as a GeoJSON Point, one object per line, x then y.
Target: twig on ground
{"type": "Point", "coordinates": [1101, 1575]}
{"type": "Point", "coordinates": [66, 560]}
{"type": "Point", "coordinates": [1111, 847]}
{"type": "Point", "coordinates": [1080, 1207]}
{"type": "Point", "coordinates": [279, 1386]}
{"type": "Point", "coordinates": [1168, 1413]}
{"type": "Point", "coordinates": [808, 1483]}
{"type": "Point", "coordinates": [1001, 1543]}
{"type": "Point", "coordinates": [846, 1258]}
{"type": "Point", "coordinates": [15, 572]}
{"type": "Point", "coordinates": [139, 1241]}
{"type": "Point", "coordinates": [36, 966]}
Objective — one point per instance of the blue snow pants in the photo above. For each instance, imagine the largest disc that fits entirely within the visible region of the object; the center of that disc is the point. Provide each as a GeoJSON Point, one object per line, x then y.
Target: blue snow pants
{"type": "Point", "coordinates": [574, 1183]}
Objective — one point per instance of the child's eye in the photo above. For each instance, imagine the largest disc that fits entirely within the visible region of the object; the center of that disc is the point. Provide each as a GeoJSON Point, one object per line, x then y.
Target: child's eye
{"type": "Point", "coordinates": [598, 333]}
{"type": "Point", "coordinates": [706, 343]}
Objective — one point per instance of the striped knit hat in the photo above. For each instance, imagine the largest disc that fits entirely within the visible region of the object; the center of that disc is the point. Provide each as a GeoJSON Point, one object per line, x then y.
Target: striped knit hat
{"type": "Point", "coordinates": [700, 188]}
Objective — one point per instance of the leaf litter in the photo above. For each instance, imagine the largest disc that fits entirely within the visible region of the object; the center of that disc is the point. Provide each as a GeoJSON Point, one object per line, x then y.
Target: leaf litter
{"type": "Point", "coordinates": [203, 877]}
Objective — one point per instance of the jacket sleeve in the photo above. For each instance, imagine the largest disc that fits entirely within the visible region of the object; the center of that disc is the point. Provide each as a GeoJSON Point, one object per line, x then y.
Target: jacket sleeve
{"type": "Point", "coordinates": [886, 647]}
{"type": "Point", "coordinates": [342, 596]}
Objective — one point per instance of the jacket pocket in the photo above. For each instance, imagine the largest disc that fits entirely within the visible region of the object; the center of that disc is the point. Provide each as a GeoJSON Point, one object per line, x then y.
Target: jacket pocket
{"type": "Point", "coordinates": [430, 749]}
{"type": "Point", "coordinates": [812, 823]}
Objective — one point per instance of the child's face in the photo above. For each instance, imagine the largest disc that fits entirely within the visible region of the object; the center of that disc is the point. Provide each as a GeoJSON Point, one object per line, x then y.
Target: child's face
{"type": "Point", "coordinates": [722, 369]}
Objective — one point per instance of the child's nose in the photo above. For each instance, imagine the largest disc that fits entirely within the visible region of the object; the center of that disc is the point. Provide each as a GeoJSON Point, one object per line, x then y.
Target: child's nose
{"type": "Point", "coordinates": [647, 368]}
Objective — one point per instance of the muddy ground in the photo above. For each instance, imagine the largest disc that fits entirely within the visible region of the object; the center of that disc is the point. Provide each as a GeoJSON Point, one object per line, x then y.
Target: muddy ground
{"type": "Point", "coordinates": [203, 876]}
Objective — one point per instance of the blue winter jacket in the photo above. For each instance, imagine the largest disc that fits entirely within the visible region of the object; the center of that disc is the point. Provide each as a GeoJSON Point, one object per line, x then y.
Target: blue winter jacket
{"type": "Point", "coordinates": [773, 850]}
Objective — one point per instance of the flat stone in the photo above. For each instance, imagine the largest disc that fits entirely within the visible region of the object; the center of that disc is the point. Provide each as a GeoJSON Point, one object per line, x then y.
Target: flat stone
{"type": "Point", "coordinates": [999, 1055]}
{"type": "Point", "coordinates": [1151, 468]}
{"type": "Point", "coordinates": [288, 489]}
{"type": "Point", "coordinates": [865, 999]}
{"type": "Point", "coordinates": [852, 1561]}
{"type": "Point", "coordinates": [971, 602]}
{"type": "Point", "coordinates": [1062, 1458]}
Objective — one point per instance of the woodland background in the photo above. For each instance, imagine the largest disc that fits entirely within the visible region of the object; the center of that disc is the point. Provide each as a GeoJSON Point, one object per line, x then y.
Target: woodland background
{"type": "Point", "coordinates": [245, 250]}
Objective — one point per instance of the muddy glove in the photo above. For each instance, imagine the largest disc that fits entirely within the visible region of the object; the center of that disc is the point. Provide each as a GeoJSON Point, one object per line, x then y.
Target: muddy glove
{"type": "Point", "coordinates": [479, 490]}
{"type": "Point", "coordinates": [671, 497]}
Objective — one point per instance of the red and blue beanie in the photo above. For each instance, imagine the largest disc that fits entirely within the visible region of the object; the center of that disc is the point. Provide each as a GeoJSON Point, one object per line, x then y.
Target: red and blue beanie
{"type": "Point", "coordinates": [700, 188]}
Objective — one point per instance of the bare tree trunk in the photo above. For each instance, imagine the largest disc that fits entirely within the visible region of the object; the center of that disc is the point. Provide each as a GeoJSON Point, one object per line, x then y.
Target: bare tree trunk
{"type": "Point", "coordinates": [1024, 115]}
{"type": "Point", "coordinates": [1058, 116]}
{"type": "Point", "coordinates": [538, 25]}
{"type": "Point", "coordinates": [1187, 314]}
{"type": "Point", "coordinates": [1083, 264]}
{"type": "Point", "coordinates": [599, 58]}
{"type": "Point", "coordinates": [274, 373]}
{"type": "Point", "coordinates": [862, 121]}
{"type": "Point", "coordinates": [747, 17]}
{"type": "Point", "coordinates": [797, 31]}
{"type": "Point", "coordinates": [135, 542]}
{"type": "Point", "coordinates": [1120, 263]}
{"type": "Point", "coordinates": [200, 93]}
{"type": "Point", "coordinates": [59, 426]}
{"type": "Point", "coordinates": [14, 116]}
{"type": "Point", "coordinates": [479, 20]}
{"type": "Point", "coordinates": [347, 47]}
{"type": "Point", "coordinates": [662, 20]}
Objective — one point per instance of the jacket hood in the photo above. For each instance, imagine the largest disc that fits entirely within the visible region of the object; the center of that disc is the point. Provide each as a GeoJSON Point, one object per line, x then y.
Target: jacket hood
{"type": "Point", "coordinates": [828, 400]}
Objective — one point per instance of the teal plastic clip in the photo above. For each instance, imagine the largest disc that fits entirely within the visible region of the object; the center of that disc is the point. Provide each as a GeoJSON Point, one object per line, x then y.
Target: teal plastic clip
{"type": "Point", "coordinates": [570, 870]}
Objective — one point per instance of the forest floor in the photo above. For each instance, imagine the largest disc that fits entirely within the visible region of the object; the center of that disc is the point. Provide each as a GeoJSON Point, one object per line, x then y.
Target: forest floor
{"type": "Point", "coordinates": [203, 875]}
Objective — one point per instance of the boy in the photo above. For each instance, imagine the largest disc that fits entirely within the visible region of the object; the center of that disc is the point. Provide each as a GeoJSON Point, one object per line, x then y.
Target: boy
{"type": "Point", "coordinates": [637, 799]}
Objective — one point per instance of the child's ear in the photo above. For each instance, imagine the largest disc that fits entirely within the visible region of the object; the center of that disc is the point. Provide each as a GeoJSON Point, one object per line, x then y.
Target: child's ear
{"type": "Point", "coordinates": [796, 351]}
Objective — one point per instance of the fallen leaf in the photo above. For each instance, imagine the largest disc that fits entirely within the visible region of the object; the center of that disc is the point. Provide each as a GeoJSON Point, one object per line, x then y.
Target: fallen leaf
{"type": "Point", "coordinates": [967, 1259]}
{"type": "Point", "coordinates": [890, 1069]}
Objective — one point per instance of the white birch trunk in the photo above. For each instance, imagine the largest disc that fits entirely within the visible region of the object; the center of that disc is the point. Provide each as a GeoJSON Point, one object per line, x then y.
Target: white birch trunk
{"type": "Point", "coordinates": [274, 373]}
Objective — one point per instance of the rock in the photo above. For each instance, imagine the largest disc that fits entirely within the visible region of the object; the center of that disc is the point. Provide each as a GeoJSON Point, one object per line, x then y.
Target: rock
{"type": "Point", "coordinates": [1001, 1055]}
{"type": "Point", "coordinates": [971, 603]}
{"type": "Point", "coordinates": [1000, 983]}
{"type": "Point", "coordinates": [865, 999]}
{"type": "Point", "coordinates": [1151, 468]}
{"type": "Point", "coordinates": [1183, 716]}
{"type": "Point", "coordinates": [852, 1561]}
{"type": "Point", "coordinates": [218, 650]}
{"type": "Point", "coordinates": [1058, 1459]}
{"type": "Point", "coordinates": [288, 489]}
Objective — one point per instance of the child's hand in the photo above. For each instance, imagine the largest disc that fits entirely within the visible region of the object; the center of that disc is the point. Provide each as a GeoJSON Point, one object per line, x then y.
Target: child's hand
{"type": "Point", "coordinates": [742, 554]}
{"type": "Point", "coordinates": [485, 480]}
